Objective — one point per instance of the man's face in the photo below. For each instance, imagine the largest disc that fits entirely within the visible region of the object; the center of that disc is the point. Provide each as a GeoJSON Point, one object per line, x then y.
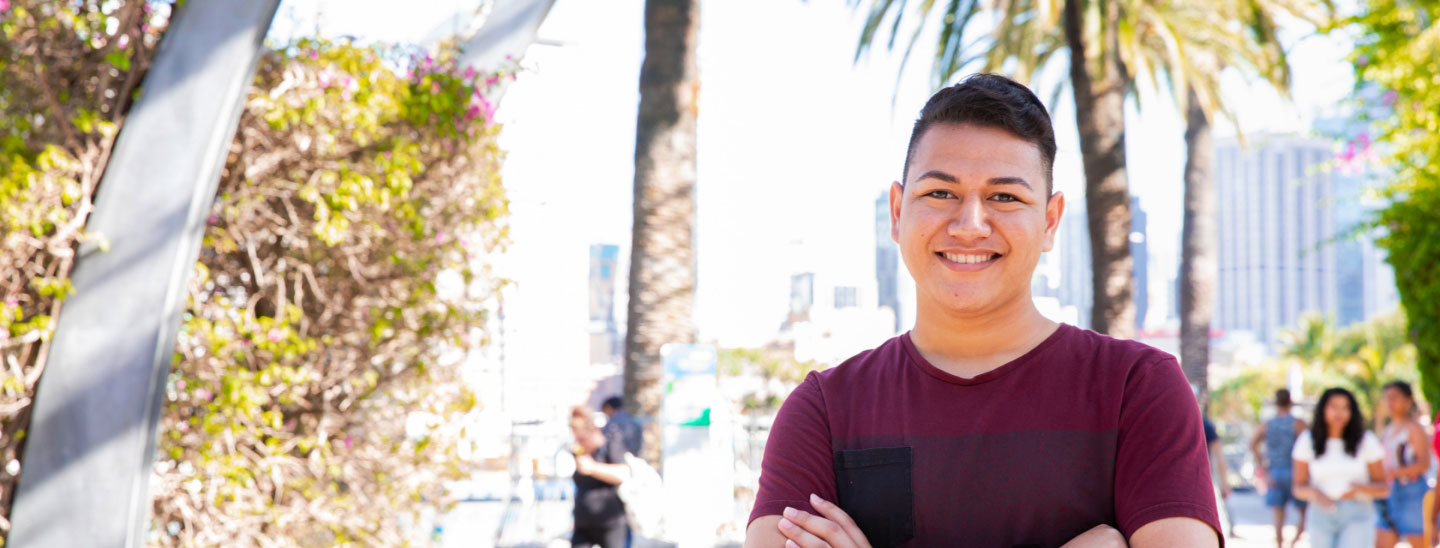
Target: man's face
{"type": "Point", "coordinates": [973, 219]}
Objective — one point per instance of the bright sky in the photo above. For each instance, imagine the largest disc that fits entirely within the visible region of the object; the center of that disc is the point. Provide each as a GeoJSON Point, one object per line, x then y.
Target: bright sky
{"type": "Point", "coordinates": [796, 141]}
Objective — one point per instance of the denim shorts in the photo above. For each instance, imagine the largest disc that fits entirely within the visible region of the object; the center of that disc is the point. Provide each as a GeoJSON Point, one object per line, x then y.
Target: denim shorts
{"type": "Point", "coordinates": [1280, 492]}
{"type": "Point", "coordinates": [1404, 511]}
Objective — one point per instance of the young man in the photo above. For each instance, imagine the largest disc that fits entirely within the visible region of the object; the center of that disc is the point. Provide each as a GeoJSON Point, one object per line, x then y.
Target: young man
{"type": "Point", "coordinates": [1278, 436]}
{"type": "Point", "coordinates": [987, 424]}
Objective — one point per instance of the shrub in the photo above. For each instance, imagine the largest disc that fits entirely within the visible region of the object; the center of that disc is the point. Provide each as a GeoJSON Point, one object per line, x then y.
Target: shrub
{"type": "Point", "coordinates": [315, 390]}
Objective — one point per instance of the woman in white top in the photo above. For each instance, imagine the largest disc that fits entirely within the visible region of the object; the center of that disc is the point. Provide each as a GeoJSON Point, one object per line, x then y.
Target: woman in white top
{"type": "Point", "coordinates": [1338, 469]}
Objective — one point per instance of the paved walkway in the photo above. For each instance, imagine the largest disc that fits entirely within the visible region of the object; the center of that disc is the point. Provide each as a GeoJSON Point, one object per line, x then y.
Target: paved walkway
{"type": "Point", "coordinates": [546, 523]}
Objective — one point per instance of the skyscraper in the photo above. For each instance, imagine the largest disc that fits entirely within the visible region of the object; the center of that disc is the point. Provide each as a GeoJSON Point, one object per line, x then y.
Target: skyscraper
{"type": "Point", "coordinates": [1284, 248]}
{"type": "Point", "coordinates": [887, 259]}
{"type": "Point", "coordinates": [1139, 255]}
{"type": "Point", "coordinates": [604, 332]}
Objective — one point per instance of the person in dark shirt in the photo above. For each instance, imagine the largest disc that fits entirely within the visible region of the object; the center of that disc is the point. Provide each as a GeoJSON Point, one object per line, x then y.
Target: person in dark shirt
{"type": "Point", "coordinates": [988, 424]}
{"type": "Point", "coordinates": [599, 470]}
{"type": "Point", "coordinates": [622, 424]}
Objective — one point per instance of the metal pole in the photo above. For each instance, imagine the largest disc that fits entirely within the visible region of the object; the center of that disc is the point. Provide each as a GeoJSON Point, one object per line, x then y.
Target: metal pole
{"type": "Point", "coordinates": [88, 459]}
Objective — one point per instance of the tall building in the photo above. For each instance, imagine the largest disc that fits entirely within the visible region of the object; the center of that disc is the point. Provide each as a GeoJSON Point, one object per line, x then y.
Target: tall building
{"type": "Point", "coordinates": [1284, 245]}
{"type": "Point", "coordinates": [1140, 257]}
{"type": "Point", "coordinates": [802, 297]}
{"type": "Point", "coordinates": [1064, 273]}
{"type": "Point", "coordinates": [604, 331]}
{"type": "Point", "coordinates": [887, 259]}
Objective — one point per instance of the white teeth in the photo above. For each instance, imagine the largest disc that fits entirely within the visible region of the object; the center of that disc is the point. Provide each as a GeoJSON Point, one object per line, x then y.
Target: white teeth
{"type": "Point", "coordinates": [968, 259]}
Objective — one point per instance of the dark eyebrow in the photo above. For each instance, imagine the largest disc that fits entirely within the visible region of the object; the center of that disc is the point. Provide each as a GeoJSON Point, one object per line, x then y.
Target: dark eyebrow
{"type": "Point", "coordinates": [946, 177]}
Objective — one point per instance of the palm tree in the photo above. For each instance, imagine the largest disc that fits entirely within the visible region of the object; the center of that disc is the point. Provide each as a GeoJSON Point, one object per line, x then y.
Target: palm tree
{"type": "Point", "coordinates": [662, 257]}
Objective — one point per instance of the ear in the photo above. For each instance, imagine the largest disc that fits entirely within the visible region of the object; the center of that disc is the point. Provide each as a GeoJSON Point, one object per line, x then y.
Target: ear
{"type": "Point", "coordinates": [897, 194]}
{"type": "Point", "coordinates": [1054, 210]}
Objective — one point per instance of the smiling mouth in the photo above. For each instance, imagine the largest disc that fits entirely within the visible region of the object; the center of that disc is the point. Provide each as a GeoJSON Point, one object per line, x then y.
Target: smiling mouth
{"type": "Point", "coordinates": [966, 258]}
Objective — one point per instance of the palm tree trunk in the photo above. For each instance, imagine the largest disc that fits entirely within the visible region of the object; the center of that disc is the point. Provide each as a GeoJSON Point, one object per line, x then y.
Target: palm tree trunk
{"type": "Point", "coordinates": [1198, 269]}
{"type": "Point", "coordinates": [1098, 81]}
{"type": "Point", "coordinates": [662, 258]}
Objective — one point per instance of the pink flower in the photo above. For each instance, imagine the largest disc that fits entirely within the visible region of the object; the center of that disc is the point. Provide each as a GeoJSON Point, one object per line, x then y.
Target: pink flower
{"type": "Point", "coordinates": [439, 237]}
{"type": "Point", "coordinates": [182, 426]}
{"type": "Point", "coordinates": [203, 395]}
{"type": "Point", "coordinates": [490, 82]}
{"type": "Point", "coordinates": [469, 72]}
{"type": "Point", "coordinates": [1362, 60]}
{"type": "Point", "coordinates": [314, 55]}
{"type": "Point", "coordinates": [180, 384]}
{"type": "Point", "coordinates": [121, 43]}
{"type": "Point", "coordinates": [472, 113]}
{"type": "Point", "coordinates": [11, 300]}
{"type": "Point", "coordinates": [487, 108]}
{"type": "Point", "coordinates": [434, 87]}
{"type": "Point", "coordinates": [1389, 98]}
{"type": "Point", "coordinates": [4, 5]}
{"type": "Point", "coordinates": [347, 441]}
{"type": "Point", "coordinates": [212, 219]}
{"type": "Point", "coordinates": [325, 78]}
{"type": "Point", "coordinates": [276, 335]}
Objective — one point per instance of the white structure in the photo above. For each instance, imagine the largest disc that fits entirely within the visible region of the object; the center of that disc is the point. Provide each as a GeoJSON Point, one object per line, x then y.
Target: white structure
{"type": "Point", "coordinates": [1283, 249]}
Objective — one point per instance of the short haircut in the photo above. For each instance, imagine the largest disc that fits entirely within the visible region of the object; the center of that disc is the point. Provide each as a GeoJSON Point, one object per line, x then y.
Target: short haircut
{"type": "Point", "coordinates": [990, 100]}
{"type": "Point", "coordinates": [1282, 398]}
{"type": "Point", "coordinates": [613, 402]}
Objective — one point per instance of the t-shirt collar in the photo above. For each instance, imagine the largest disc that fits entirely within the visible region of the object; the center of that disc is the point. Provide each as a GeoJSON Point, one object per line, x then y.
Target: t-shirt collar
{"type": "Point", "coordinates": [924, 365]}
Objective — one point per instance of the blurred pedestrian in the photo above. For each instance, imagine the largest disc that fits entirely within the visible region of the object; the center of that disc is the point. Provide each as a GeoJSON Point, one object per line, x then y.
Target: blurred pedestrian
{"type": "Point", "coordinates": [1407, 459]}
{"type": "Point", "coordinates": [622, 424]}
{"type": "Point", "coordinates": [1219, 475]}
{"type": "Point", "coordinates": [1275, 467]}
{"type": "Point", "coordinates": [1339, 468]}
{"type": "Point", "coordinates": [599, 470]}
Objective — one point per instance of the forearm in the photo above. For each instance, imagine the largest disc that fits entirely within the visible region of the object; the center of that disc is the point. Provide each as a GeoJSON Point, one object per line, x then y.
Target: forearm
{"type": "Point", "coordinates": [613, 474]}
{"type": "Point", "coordinates": [1372, 490]}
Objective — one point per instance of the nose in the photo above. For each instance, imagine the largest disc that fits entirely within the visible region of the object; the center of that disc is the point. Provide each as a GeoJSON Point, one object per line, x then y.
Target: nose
{"type": "Point", "coordinates": [971, 223]}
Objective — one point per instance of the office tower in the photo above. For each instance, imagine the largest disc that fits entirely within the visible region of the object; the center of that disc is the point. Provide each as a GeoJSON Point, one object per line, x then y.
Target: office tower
{"type": "Point", "coordinates": [604, 331]}
{"type": "Point", "coordinates": [887, 259]}
{"type": "Point", "coordinates": [1284, 244]}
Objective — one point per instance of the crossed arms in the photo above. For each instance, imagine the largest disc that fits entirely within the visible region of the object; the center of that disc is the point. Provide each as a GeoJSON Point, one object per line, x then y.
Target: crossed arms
{"type": "Point", "coordinates": [833, 528]}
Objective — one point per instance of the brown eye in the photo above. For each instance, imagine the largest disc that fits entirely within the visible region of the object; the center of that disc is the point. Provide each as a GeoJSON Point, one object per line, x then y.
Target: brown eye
{"type": "Point", "coordinates": [1005, 198]}
{"type": "Point", "coordinates": [942, 194]}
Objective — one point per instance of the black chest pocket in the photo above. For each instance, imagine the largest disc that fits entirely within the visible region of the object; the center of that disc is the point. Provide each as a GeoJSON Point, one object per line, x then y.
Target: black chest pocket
{"type": "Point", "coordinates": [874, 487]}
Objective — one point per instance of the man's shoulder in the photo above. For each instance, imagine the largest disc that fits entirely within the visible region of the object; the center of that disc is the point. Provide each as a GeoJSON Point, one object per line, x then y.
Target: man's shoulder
{"type": "Point", "coordinates": [1113, 351]}
{"type": "Point", "coordinates": [865, 364]}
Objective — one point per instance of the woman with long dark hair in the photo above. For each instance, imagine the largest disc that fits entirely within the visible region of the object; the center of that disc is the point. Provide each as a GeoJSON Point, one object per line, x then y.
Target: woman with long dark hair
{"type": "Point", "coordinates": [1406, 462]}
{"type": "Point", "coordinates": [1338, 468]}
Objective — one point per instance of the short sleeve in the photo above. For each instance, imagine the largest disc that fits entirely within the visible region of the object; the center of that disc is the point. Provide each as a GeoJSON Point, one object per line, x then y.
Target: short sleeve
{"type": "Point", "coordinates": [798, 459]}
{"type": "Point", "coordinates": [1162, 466]}
{"type": "Point", "coordinates": [1304, 448]}
{"type": "Point", "coordinates": [1370, 449]}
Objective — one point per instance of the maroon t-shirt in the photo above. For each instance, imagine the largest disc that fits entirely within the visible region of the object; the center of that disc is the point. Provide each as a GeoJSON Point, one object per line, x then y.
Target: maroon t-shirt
{"type": "Point", "coordinates": [1081, 431]}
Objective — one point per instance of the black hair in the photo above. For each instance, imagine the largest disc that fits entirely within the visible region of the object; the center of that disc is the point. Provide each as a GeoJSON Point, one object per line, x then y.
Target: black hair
{"type": "Point", "coordinates": [1353, 432]}
{"type": "Point", "coordinates": [990, 100]}
{"type": "Point", "coordinates": [613, 402]}
{"type": "Point", "coordinates": [1282, 398]}
{"type": "Point", "coordinates": [1404, 388]}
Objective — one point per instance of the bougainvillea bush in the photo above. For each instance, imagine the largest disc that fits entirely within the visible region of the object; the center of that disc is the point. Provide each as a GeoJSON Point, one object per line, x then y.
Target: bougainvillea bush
{"type": "Point", "coordinates": [314, 392]}
{"type": "Point", "coordinates": [69, 73]}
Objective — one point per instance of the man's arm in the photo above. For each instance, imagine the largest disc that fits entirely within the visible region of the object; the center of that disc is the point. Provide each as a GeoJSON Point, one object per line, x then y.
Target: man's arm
{"type": "Point", "coordinates": [1217, 455]}
{"type": "Point", "coordinates": [613, 474]}
{"type": "Point", "coordinates": [764, 532]}
{"type": "Point", "coordinates": [1174, 532]}
{"type": "Point", "coordinates": [1255, 442]}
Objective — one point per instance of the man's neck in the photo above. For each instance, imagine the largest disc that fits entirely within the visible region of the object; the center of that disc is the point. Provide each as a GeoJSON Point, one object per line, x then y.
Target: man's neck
{"type": "Point", "coordinates": [969, 346]}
